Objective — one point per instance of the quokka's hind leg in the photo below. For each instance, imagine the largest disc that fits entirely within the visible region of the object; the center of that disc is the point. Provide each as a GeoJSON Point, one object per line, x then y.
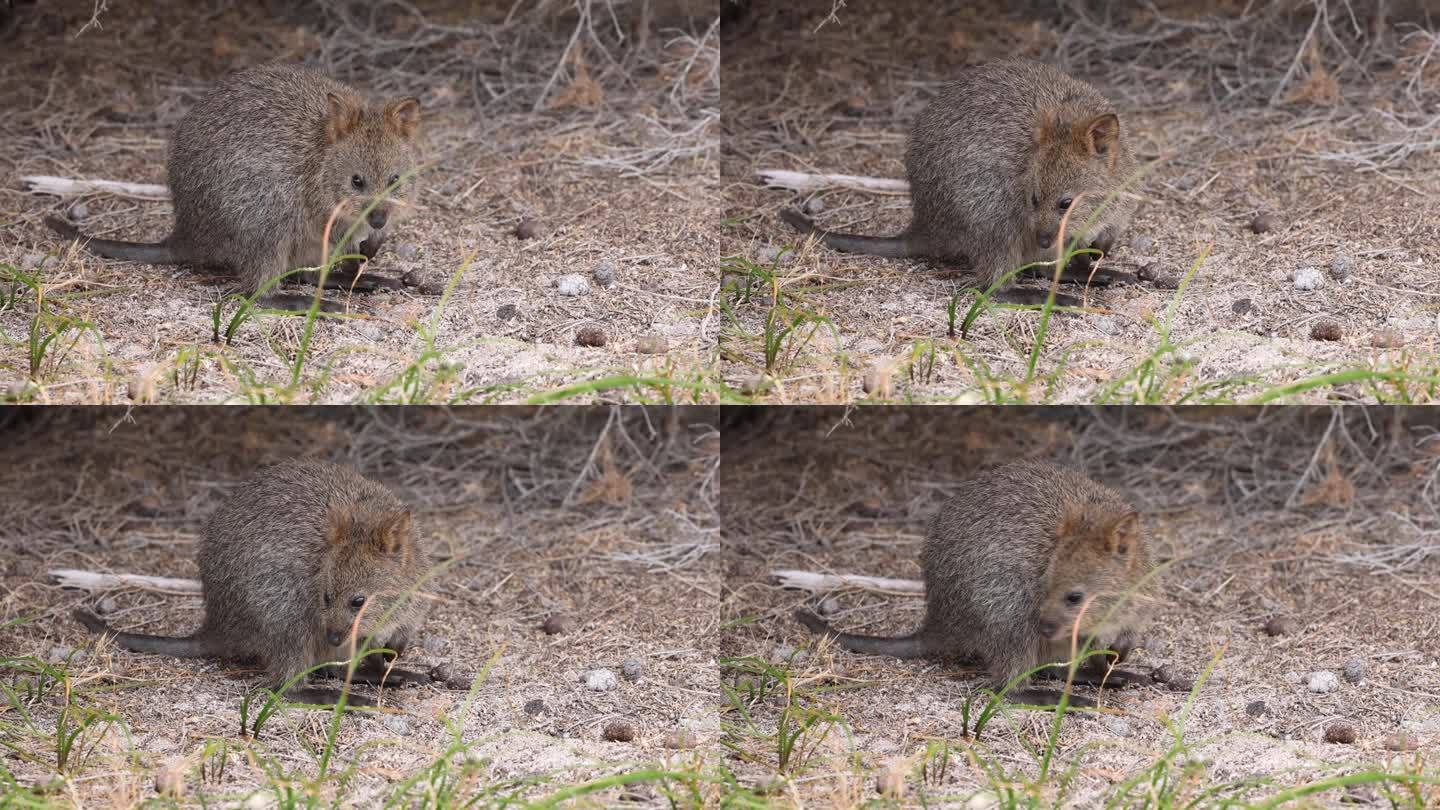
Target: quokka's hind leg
{"type": "Point", "coordinates": [283, 670]}
{"type": "Point", "coordinates": [262, 268]}
{"type": "Point", "coordinates": [1006, 663]}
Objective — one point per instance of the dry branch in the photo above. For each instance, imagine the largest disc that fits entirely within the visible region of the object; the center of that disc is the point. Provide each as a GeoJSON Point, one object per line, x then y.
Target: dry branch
{"type": "Point", "coordinates": [93, 581]}
{"type": "Point", "coordinates": [805, 182]}
{"type": "Point", "coordinates": [811, 581]}
{"type": "Point", "coordinates": [45, 184]}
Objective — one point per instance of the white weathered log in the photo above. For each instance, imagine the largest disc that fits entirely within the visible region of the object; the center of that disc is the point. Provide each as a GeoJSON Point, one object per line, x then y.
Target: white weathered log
{"type": "Point", "coordinates": [805, 182]}
{"type": "Point", "coordinates": [94, 581]}
{"type": "Point", "coordinates": [814, 582]}
{"type": "Point", "coordinates": [45, 184]}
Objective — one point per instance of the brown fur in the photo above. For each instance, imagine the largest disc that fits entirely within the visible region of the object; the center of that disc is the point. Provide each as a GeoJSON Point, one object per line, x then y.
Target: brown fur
{"type": "Point", "coordinates": [258, 165]}
{"type": "Point", "coordinates": [1018, 558]}
{"type": "Point", "coordinates": [990, 161]}
{"type": "Point", "coordinates": [289, 562]}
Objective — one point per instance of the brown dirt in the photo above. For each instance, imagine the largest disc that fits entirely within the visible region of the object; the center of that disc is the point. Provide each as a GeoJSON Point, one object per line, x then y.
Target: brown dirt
{"type": "Point", "coordinates": [616, 163]}
{"type": "Point", "coordinates": [604, 517]}
{"type": "Point", "coordinates": [1195, 89]}
{"type": "Point", "coordinates": [1303, 514]}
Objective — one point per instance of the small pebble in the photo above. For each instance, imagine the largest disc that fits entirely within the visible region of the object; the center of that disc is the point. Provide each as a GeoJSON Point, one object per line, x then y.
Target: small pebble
{"type": "Point", "coordinates": [1309, 278]}
{"type": "Point", "coordinates": [60, 654]}
{"type": "Point", "coordinates": [572, 284]}
{"type": "Point", "coordinates": [398, 725]}
{"type": "Point", "coordinates": [446, 674]}
{"type": "Point", "coordinates": [755, 386]}
{"type": "Point", "coordinates": [600, 680]}
{"type": "Point", "coordinates": [78, 211]}
{"type": "Point", "coordinates": [1167, 281]}
{"type": "Point", "coordinates": [434, 645]}
{"type": "Point", "coordinates": [106, 606]}
{"type": "Point", "coordinates": [1263, 222]}
{"type": "Point", "coordinates": [1387, 339]}
{"type": "Point", "coordinates": [1242, 306]}
{"type": "Point", "coordinates": [632, 669]}
{"type": "Point", "coordinates": [148, 506]}
{"type": "Point", "coordinates": [1105, 325]}
{"type": "Point", "coordinates": [140, 388]}
{"type": "Point", "coordinates": [424, 283]}
{"type": "Point", "coordinates": [876, 382]}
{"type": "Point", "coordinates": [557, 624]}
{"type": "Point", "coordinates": [769, 255]}
{"type": "Point", "coordinates": [1120, 726]}
{"type": "Point", "coordinates": [1255, 708]}
{"type": "Point", "coordinates": [30, 261]}
{"type": "Point", "coordinates": [1142, 244]}
{"type": "Point", "coordinates": [828, 606]}
{"type": "Point", "coordinates": [507, 312]}
{"type": "Point", "coordinates": [1401, 742]}
{"type": "Point", "coordinates": [530, 228]}
{"type": "Point", "coordinates": [652, 344]}
{"type": "Point", "coordinates": [407, 250]}
{"type": "Point", "coordinates": [1340, 267]}
{"type": "Point", "coordinates": [1355, 670]}
{"type": "Point", "coordinates": [1342, 733]}
{"type": "Point", "coordinates": [1161, 674]}
{"type": "Point", "coordinates": [170, 778]}
{"type": "Point", "coordinates": [618, 731]}
{"type": "Point", "coordinates": [785, 654]}
{"type": "Point", "coordinates": [592, 336]}
{"type": "Point", "coordinates": [681, 738]}
{"type": "Point", "coordinates": [855, 105]}
{"type": "Point", "coordinates": [534, 707]}
{"type": "Point", "coordinates": [1179, 683]}
{"type": "Point", "coordinates": [1279, 626]}
{"type": "Point", "coordinates": [1148, 272]}
{"type": "Point", "coordinates": [1326, 329]}
{"type": "Point", "coordinates": [1323, 681]}
{"type": "Point", "coordinates": [890, 779]}
{"type": "Point", "coordinates": [814, 206]}
{"type": "Point", "coordinates": [604, 274]}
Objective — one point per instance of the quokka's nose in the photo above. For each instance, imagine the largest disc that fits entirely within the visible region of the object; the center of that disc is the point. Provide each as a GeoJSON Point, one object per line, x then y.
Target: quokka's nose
{"type": "Point", "coordinates": [334, 637]}
{"type": "Point", "coordinates": [1045, 239]}
{"type": "Point", "coordinates": [378, 218]}
{"type": "Point", "coordinates": [1048, 629]}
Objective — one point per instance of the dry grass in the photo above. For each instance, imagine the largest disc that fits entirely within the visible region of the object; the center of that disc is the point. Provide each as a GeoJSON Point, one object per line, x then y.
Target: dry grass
{"type": "Point", "coordinates": [1320, 114]}
{"type": "Point", "coordinates": [598, 515]}
{"type": "Point", "coordinates": [1329, 518]}
{"type": "Point", "coordinates": [596, 120]}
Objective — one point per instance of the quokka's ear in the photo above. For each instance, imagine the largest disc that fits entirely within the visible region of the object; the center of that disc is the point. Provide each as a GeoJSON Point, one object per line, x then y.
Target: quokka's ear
{"type": "Point", "coordinates": [342, 116]}
{"type": "Point", "coordinates": [1101, 137]}
{"type": "Point", "coordinates": [1124, 534]}
{"type": "Point", "coordinates": [402, 116]}
{"type": "Point", "coordinates": [392, 533]}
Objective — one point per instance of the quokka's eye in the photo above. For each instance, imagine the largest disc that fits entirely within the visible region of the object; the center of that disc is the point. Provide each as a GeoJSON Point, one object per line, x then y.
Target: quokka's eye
{"type": "Point", "coordinates": [357, 182]}
{"type": "Point", "coordinates": [1074, 598]}
{"type": "Point", "coordinates": [394, 180]}
{"type": "Point", "coordinates": [1065, 203]}
{"type": "Point", "coordinates": [357, 602]}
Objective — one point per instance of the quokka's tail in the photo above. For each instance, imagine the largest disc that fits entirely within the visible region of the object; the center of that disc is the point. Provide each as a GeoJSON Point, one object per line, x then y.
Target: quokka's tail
{"type": "Point", "coordinates": [893, 247]}
{"type": "Point", "coordinates": [148, 252]}
{"type": "Point", "coordinates": [190, 647]}
{"type": "Point", "coordinates": [911, 646]}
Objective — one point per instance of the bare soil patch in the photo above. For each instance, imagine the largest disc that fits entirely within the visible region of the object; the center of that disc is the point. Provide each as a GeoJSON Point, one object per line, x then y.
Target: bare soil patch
{"type": "Point", "coordinates": [595, 124]}
{"type": "Point", "coordinates": [1325, 519]}
{"type": "Point", "coordinates": [1318, 115]}
{"type": "Point", "coordinates": [602, 517]}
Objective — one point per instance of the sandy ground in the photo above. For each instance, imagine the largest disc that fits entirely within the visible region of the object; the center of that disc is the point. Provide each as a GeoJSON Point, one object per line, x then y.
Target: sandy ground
{"type": "Point", "coordinates": [616, 166]}
{"type": "Point", "coordinates": [534, 527]}
{"type": "Point", "coordinates": [860, 489]}
{"type": "Point", "coordinates": [1348, 186]}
